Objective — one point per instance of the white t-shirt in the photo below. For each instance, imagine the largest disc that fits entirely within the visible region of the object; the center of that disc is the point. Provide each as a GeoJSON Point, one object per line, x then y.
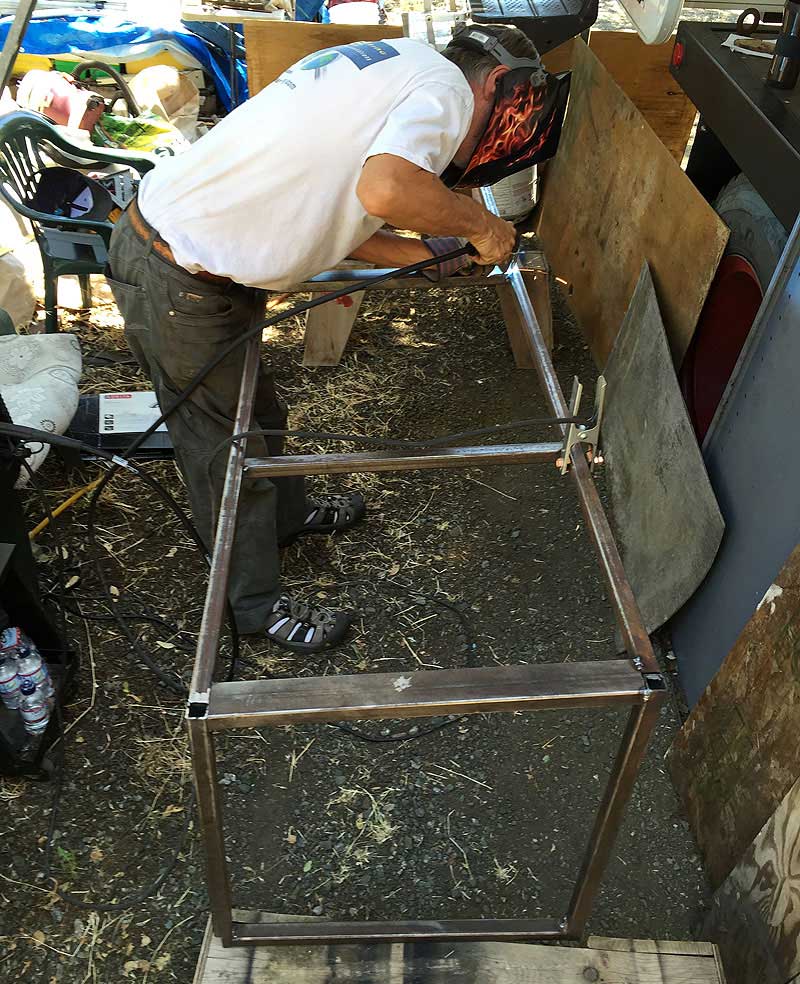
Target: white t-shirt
{"type": "Point", "coordinates": [268, 197]}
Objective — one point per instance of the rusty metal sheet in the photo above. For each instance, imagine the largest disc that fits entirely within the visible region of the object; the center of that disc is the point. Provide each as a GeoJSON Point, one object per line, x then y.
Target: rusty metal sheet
{"type": "Point", "coordinates": [667, 517]}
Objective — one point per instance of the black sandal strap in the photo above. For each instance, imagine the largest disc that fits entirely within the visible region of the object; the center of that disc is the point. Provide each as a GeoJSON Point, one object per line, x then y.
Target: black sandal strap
{"type": "Point", "coordinates": [295, 625]}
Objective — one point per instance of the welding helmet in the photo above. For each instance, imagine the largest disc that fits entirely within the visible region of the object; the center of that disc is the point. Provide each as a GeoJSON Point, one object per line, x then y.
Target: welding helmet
{"type": "Point", "coordinates": [525, 125]}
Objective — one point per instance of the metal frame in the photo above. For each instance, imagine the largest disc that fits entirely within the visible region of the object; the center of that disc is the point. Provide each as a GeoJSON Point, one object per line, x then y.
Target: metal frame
{"type": "Point", "coordinates": [635, 681]}
{"type": "Point", "coordinates": [14, 38]}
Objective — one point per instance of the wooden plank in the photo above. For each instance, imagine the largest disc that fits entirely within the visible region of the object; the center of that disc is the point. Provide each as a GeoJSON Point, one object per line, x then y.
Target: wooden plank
{"type": "Point", "coordinates": [614, 197]}
{"type": "Point", "coordinates": [735, 758]}
{"type": "Point", "coordinates": [328, 329]}
{"type": "Point", "coordinates": [464, 963]}
{"type": "Point", "coordinates": [272, 47]}
{"type": "Point", "coordinates": [198, 11]}
{"type": "Point", "coordinates": [652, 946]}
{"type": "Point", "coordinates": [755, 914]}
{"type": "Point", "coordinates": [642, 72]}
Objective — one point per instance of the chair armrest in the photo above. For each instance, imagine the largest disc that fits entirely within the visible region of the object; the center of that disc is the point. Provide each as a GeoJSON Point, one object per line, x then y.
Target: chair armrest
{"type": "Point", "coordinates": [55, 221]}
{"type": "Point", "coordinates": [71, 155]}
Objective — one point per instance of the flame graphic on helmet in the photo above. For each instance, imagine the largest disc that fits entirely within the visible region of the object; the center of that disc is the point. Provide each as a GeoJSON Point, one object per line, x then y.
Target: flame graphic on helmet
{"type": "Point", "coordinates": [524, 119]}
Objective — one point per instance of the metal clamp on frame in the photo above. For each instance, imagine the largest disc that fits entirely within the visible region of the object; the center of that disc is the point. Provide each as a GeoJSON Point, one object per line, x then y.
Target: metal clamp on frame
{"type": "Point", "coordinates": [580, 433]}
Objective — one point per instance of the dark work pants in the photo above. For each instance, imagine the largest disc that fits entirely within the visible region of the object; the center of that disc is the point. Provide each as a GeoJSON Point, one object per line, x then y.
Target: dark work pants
{"type": "Point", "coordinates": [174, 323]}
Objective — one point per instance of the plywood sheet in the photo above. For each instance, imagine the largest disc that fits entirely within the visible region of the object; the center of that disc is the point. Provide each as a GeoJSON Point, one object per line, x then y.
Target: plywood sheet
{"type": "Point", "coordinates": [736, 756]}
{"type": "Point", "coordinates": [615, 197]}
{"type": "Point", "coordinates": [755, 915]}
{"type": "Point", "coordinates": [453, 963]}
{"type": "Point", "coordinates": [656, 473]}
{"type": "Point", "coordinates": [272, 47]}
{"type": "Point", "coordinates": [642, 72]}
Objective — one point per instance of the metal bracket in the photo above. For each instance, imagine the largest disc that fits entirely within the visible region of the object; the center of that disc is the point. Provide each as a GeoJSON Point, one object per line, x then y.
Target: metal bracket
{"type": "Point", "coordinates": [197, 706]}
{"type": "Point", "coordinates": [579, 434]}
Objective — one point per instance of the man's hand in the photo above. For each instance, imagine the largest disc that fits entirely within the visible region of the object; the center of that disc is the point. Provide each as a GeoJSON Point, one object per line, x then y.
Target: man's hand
{"type": "Point", "coordinates": [408, 197]}
{"type": "Point", "coordinates": [497, 243]}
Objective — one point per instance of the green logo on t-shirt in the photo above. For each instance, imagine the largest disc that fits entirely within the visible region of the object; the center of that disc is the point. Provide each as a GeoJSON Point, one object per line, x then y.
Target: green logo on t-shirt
{"type": "Point", "coordinates": [318, 60]}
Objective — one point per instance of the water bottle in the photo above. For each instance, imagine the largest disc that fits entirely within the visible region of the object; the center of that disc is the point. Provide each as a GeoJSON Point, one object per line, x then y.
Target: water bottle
{"type": "Point", "coordinates": [9, 682]}
{"type": "Point", "coordinates": [31, 666]}
{"type": "Point", "coordinates": [11, 640]}
{"type": "Point", "coordinates": [34, 708]}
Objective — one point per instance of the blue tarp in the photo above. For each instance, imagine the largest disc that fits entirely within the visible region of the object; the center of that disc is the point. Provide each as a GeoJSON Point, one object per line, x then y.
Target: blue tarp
{"type": "Point", "coordinates": [307, 10]}
{"type": "Point", "coordinates": [60, 35]}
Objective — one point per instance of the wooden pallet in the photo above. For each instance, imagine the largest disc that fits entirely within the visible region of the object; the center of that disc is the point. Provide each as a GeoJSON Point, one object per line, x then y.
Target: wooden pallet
{"type": "Point", "coordinates": [605, 961]}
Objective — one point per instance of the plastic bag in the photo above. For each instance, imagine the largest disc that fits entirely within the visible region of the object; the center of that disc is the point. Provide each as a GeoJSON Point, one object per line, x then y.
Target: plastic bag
{"type": "Point", "coordinates": [146, 132]}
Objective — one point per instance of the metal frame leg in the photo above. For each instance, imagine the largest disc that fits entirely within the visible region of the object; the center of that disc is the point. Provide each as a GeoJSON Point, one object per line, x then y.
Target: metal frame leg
{"type": "Point", "coordinates": [209, 810]}
{"type": "Point", "coordinates": [641, 722]}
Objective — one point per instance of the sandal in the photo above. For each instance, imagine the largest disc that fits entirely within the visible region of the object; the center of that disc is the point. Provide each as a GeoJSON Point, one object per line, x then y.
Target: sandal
{"type": "Point", "coordinates": [301, 628]}
{"type": "Point", "coordinates": [330, 514]}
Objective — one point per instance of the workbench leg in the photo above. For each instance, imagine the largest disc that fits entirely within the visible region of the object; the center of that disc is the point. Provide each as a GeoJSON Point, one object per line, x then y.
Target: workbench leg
{"type": "Point", "coordinates": [328, 328]}
{"type": "Point", "coordinates": [538, 285]}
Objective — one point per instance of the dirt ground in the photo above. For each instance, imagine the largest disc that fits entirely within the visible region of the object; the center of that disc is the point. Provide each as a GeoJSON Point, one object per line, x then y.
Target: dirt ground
{"type": "Point", "coordinates": [486, 816]}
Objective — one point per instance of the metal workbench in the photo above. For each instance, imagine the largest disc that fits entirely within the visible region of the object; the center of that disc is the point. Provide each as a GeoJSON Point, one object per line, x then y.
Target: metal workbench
{"type": "Point", "coordinates": [634, 681]}
{"type": "Point", "coordinates": [744, 125]}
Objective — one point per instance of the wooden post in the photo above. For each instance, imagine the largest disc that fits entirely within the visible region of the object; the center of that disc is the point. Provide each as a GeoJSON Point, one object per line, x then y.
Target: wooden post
{"type": "Point", "coordinates": [538, 285]}
{"type": "Point", "coordinates": [328, 328]}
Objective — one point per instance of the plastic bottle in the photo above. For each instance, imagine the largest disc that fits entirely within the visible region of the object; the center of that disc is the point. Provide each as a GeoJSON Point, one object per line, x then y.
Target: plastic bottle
{"type": "Point", "coordinates": [34, 708]}
{"type": "Point", "coordinates": [9, 682]}
{"type": "Point", "coordinates": [10, 641]}
{"type": "Point", "coordinates": [31, 666]}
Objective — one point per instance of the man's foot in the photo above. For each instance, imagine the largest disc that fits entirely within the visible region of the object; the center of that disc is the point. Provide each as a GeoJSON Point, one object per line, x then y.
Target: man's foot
{"type": "Point", "coordinates": [301, 628]}
{"type": "Point", "coordinates": [330, 514]}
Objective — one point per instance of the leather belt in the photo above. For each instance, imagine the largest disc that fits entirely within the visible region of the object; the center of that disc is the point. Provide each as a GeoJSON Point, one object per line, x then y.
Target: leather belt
{"type": "Point", "coordinates": [144, 230]}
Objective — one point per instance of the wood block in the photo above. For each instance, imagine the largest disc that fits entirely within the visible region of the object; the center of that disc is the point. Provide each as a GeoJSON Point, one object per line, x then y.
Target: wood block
{"type": "Point", "coordinates": [642, 72]}
{"type": "Point", "coordinates": [488, 963]}
{"type": "Point", "coordinates": [755, 916]}
{"type": "Point", "coordinates": [328, 328]}
{"type": "Point", "coordinates": [275, 45]}
{"type": "Point", "coordinates": [614, 197]}
{"type": "Point", "coordinates": [538, 284]}
{"type": "Point", "coordinates": [735, 758]}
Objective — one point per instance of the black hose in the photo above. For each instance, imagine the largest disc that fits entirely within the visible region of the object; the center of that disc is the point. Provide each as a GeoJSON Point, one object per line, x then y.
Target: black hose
{"type": "Point", "coordinates": [125, 89]}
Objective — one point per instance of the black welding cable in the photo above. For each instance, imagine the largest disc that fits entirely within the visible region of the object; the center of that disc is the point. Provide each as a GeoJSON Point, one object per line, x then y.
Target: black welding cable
{"type": "Point", "coordinates": [118, 462]}
{"type": "Point", "coordinates": [33, 434]}
{"type": "Point", "coordinates": [362, 440]}
{"type": "Point", "coordinates": [130, 901]}
{"type": "Point", "coordinates": [258, 328]}
{"type": "Point", "coordinates": [60, 551]}
{"type": "Point", "coordinates": [212, 363]}
{"type": "Point", "coordinates": [444, 440]}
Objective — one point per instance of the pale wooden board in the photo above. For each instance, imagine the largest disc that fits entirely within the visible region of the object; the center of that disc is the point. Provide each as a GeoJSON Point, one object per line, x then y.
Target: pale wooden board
{"type": "Point", "coordinates": [755, 915]}
{"type": "Point", "coordinates": [698, 949]}
{"type": "Point", "coordinates": [736, 756]}
{"type": "Point", "coordinates": [225, 15]}
{"type": "Point", "coordinates": [642, 72]}
{"type": "Point", "coordinates": [468, 963]}
{"type": "Point", "coordinates": [272, 47]}
{"type": "Point", "coordinates": [614, 197]}
{"type": "Point", "coordinates": [328, 328]}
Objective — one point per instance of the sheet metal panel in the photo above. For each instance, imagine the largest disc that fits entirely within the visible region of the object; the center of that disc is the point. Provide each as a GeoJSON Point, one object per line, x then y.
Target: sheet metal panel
{"type": "Point", "coordinates": [754, 465]}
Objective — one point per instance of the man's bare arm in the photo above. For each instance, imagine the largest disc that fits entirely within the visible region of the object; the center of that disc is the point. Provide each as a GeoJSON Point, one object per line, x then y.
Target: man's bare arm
{"type": "Point", "coordinates": [408, 197]}
{"type": "Point", "coordinates": [385, 249]}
